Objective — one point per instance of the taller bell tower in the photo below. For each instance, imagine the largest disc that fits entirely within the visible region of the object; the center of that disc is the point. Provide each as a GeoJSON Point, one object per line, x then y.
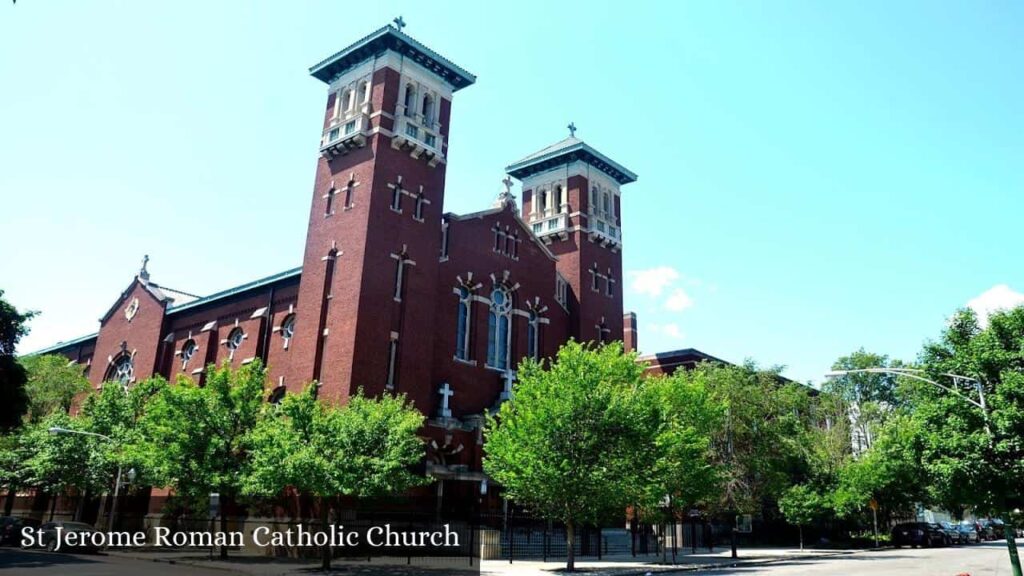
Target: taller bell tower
{"type": "Point", "coordinates": [571, 201]}
{"type": "Point", "coordinates": [374, 231]}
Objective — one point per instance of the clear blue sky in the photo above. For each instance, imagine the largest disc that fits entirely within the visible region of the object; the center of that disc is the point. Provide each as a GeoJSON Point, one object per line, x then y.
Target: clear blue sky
{"type": "Point", "coordinates": [814, 176]}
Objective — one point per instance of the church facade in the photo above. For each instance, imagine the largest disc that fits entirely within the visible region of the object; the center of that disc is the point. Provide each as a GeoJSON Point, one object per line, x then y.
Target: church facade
{"type": "Point", "coordinates": [395, 295]}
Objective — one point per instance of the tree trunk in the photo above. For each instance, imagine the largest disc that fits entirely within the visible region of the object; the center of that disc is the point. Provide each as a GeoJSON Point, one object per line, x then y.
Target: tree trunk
{"type": "Point", "coordinates": [12, 493]}
{"type": "Point", "coordinates": [80, 509]}
{"type": "Point", "coordinates": [325, 559]}
{"type": "Point", "coordinates": [570, 547]}
{"type": "Point", "coordinates": [800, 528]}
{"type": "Point", "coordinates": [53, 505]}
{"type": "Point", "coordinates": [223, 530]}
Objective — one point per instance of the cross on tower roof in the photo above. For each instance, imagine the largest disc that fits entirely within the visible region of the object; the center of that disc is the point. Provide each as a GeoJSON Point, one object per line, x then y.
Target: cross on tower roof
{"type": "Point", "coordinates": [399, 22]}
{"type": "Point", "coordinates": [508, 184]}
{"type": "Point", "coordinates": [572, 129]}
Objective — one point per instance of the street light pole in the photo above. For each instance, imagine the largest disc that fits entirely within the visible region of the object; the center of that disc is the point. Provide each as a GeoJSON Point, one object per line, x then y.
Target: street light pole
{"type": "Point", "coordinates": [918, 375]}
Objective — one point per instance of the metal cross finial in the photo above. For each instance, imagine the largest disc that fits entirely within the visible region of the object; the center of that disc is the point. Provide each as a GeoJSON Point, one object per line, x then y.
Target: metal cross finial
{"type": "Point", "coordinates": [400, 22]}
{"type": "Point", "coordinates": [508, 184]}
{"type": "Point", "coordinates": [572, 129]}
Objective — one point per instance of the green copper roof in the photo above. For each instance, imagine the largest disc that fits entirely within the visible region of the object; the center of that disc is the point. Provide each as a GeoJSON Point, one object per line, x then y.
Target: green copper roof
{"type": "Point", "coordinates": [564, 152]}
{"type": "Point", "coordinates": [62, 345]}
{"type": "Point", "coordinates": [390, 38]}
{"type": "Point", "coordinates": [293, 273]}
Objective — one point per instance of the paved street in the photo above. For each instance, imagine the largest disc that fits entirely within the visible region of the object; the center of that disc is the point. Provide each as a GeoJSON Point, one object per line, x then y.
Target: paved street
{"type": "Point", "coordinates": [14, 562]}
{"type": "Point", "coordinates": [989, 559]}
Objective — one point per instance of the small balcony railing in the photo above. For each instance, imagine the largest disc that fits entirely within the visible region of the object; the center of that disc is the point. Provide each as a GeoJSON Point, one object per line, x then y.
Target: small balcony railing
{"type": "Point", "coordinates": [422, 138]}
{"type": "Point", "coordinates": [344, 133]}
{"type": "Point", "coordinates": [559, 223]}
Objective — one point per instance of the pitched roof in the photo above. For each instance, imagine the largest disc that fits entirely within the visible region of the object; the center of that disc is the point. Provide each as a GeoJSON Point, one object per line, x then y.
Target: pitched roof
{"type": "Point", "coordinates": [181, 304]}
{"type": "Point", "coordinates": [565, 151]}
{"type": "Point", "coordinates": [66, 344]}
{"type": "Point", "coordinates": [390, 38]}
{"type": "Point", "coordinates": [292, 273]}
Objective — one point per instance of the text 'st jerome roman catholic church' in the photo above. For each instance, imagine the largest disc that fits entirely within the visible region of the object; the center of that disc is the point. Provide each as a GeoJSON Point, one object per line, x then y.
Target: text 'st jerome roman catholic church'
{"type": "Point", "coordinates": [394, 295]}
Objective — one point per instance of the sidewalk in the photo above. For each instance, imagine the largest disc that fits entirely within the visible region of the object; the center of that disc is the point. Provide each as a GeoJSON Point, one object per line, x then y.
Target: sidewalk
{"type": "Point", "coordinates": [609, 566]}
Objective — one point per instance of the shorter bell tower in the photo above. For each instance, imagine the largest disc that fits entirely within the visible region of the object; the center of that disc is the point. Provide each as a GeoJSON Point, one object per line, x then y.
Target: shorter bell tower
{"type": "Point", "coordinates": [571, 202]}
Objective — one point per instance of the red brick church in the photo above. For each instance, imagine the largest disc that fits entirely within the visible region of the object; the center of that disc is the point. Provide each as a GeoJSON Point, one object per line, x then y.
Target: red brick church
{"type": "Point", "coordinates": [395, 295]}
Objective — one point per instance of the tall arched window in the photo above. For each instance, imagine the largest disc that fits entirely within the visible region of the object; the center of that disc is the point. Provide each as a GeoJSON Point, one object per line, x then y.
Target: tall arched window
{"type": "Point", "coordinates": [499, 328]}
{"type": "Point", "coordinates": [428, 109]}
{"type": "Point", "coordinates": [559, 197]}
{"type": "Point", "coordinates": [122, 370]}
{"type": "Point", "coordinates": [594, 205]}
{"type": "Point", "coordinates": [462, 331]}
{"type": "Point", "coordinates": [364, 91]}
{"type": "Point", "coordinates": [542, 201]}
{"type": "Point", "coordinates": [410, 99]}
{"type": "Point", "coordinates": [607, 205]}
{"type": "Point", "coordinates": [533, 336]}
{"type": "Point", "coordinates": [347, 99]}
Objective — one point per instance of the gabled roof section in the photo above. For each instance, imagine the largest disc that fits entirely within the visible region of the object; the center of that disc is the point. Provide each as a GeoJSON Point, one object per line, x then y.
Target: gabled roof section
{"type": "Point", "coordinates": [515, 215]}
{"type": "Point", "coordinates": [292, 273]}
{"type": "Point", "coordinates": [152, 289]}
{"type": "Point", "coordinates": [63, 345]}
{"type": "Point", "coordinates": [564, 152]}
{"type": "Point", "coordinates": [390, 38]}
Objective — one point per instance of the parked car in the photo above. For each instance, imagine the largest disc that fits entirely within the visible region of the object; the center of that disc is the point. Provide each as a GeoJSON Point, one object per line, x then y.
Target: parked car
{"type": "Point", "coordinates": [49, 536]}
{"type": "Point", "coordinates": [951, 532]}
{"type": "Point", "coordinates": [11, 527]}
{"type": "Point", "coordinates": [986, 529]}
{"type": "Point", "coordinates": [916, 534]}
{"type": "Point", "coordinates": [969, 532]}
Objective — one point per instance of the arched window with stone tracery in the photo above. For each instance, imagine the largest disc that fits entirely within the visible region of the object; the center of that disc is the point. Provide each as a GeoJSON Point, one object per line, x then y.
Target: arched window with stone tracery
{"type": "Point", "coordinates": [499, 328]}
{"type": "Point", "coordinates": [122, 370]}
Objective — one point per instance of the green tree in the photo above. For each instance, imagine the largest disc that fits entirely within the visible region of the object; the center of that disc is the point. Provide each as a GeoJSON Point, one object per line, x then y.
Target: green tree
{"type": "Point", "coordinates": [801, 505]}
{"type": "Point", "coordinates": [363, 449]}
{"type": "Point", "coordinates": [760, 445]}
{"type": "Point", "coordinates": [684, 468]}
{"type": "Point", "coordinates": [576, 443]}
{"type": "Point", "coordinates": [890, 472]}
{"type": "Point", "coordinates": [868, 398]}
{"type": "Point", "coordinates": [59, 462]}
{"type": "Point", "coordinates": [53, 383]}
{"type": "Point", "coordinates": [193, 437]}
{"type": "Point", "coordinates": [980, 455]}
{"type": "Point", "coordinates": [13, 398]}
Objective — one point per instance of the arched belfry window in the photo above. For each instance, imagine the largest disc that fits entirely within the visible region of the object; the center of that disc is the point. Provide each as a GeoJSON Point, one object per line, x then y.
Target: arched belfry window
{"type": "Point", "coordinates": [122, 370]}
{"type": "Point", "coordinates": [410, 99]}
{"type": "Point", "coordinates": [559, 198]}
{"type": "Point", "coordinates": [364, 91]}
{"type": "Point", "coordinates": [499, 328]}
{"type": "Point", "coordinates": [428, 109]}
{"type": "Point", "coordinates": [542, 201]}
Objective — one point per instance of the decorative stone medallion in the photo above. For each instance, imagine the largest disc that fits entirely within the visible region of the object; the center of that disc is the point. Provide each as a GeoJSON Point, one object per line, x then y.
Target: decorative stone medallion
{"type": "Point", "coordinates": [132, 309]}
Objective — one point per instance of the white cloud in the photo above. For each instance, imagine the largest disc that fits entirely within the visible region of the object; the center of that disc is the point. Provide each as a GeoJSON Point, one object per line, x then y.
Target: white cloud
{"type": "Point", "coordinates": [654, 280]}
{"type": "Point", "coordinates": [678, 301]}
{"type": "Point", "coordinates": [671, 330]}
{"type": "Point", "coordinates": [998, 297]}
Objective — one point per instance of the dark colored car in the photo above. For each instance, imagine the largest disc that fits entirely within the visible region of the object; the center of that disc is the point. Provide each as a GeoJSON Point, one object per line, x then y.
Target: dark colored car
{"type": "Point", "coordinates": [951, 532]}
{"type": "Point", "coordinates": [968, 532]}
{"type": "Point", "coordinates": [986, 529]}
{"type": "Point", "coordinates": [11, 527]}
{"type": "Point", "coordinates": [916, 534]}
{"type": "Point", "coordinates": [49, 536]}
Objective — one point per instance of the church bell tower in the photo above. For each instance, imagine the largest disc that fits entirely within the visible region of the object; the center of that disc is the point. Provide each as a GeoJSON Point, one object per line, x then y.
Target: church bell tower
{"type": "Point", "coordinates": [571, 201]}
{"type": "Point", "coordinates": [374, 230]}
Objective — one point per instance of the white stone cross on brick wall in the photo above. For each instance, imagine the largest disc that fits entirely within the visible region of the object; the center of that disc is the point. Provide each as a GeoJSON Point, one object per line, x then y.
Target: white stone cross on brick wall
{"type": "Point", "coordinates": [446, 393]}
{"type": "Point", "coordinates": [510, 378]}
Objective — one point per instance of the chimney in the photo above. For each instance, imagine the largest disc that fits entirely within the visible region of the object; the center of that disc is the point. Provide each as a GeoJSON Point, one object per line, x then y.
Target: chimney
{"type": "Point", "coordinates": [629, 335]}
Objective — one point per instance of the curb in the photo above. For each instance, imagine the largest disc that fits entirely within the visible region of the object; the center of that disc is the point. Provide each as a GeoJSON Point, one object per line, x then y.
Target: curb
{"type": "Point", "coordinates": [731, 563]}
